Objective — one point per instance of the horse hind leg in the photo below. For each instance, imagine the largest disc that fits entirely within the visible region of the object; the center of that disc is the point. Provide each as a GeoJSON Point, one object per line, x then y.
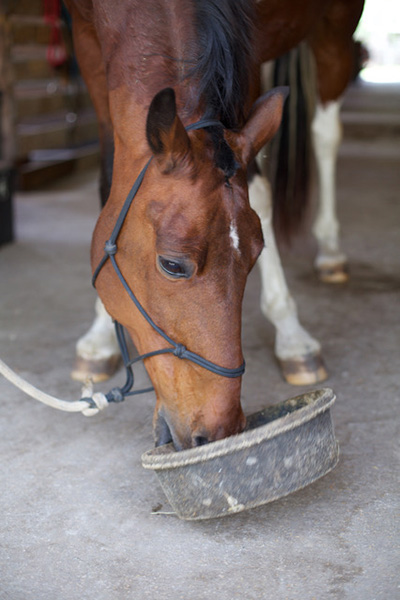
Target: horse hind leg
{"type": "Point", "coordinates": [333, 49]}
{"type": "Point", "coordinates": [297, 352]}
{"type": "Point", "coordinates": [97, 352]}
{"type": "Point", "coordinates": [330, 262]}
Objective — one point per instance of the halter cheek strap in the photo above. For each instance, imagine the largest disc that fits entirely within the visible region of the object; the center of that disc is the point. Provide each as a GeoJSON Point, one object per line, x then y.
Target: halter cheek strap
{"type": "Point", "coordinates": [178, 350]}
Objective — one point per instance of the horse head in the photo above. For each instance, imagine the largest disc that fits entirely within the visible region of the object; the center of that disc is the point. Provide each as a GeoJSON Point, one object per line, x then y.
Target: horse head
{"type": "Point", "coordinates": [186, 247]}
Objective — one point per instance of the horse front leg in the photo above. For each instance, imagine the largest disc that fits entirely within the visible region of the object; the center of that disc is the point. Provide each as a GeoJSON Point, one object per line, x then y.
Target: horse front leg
{"type": "Point", "coordinates": [297, 352]}
{"type": "Point", "coordinates": [97, 352]}
{"type": "Point", "coordinates": [331, 262]}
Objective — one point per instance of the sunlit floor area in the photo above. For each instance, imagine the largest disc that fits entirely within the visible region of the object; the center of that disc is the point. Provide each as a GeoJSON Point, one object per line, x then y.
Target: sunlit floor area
{"type": "Point", "coordinates": [381, 74]}
{"type": "Point", "coordinates": [82, 519]}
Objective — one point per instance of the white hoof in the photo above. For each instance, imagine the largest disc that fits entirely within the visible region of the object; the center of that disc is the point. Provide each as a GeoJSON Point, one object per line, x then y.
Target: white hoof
{"type": "Point", "coordinates": [298, 353]}
{"type": "Point", "coordinates": [97, 352]}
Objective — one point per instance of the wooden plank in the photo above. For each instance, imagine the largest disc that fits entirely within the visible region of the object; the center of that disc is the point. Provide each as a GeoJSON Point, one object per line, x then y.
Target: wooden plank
{"type": "Point", "coordinates": [7, 111]}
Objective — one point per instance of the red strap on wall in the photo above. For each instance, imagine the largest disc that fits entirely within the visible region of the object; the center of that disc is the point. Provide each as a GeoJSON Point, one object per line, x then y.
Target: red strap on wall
{"type": "Point", "coordinates": [56, 53]}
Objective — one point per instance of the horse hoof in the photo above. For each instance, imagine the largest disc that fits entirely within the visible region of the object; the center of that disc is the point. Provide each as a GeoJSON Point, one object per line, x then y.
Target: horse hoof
{"type": "Point", "coordinates": [96, 370]}
{"type": "Point", "coordinates": [333, 273]}
{"type": "Point", "coordinates": [304, 371]}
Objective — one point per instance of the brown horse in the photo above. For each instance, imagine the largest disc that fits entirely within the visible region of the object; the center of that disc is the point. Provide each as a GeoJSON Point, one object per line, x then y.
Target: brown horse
{"type": "Point", "coordinates": [190, 236]}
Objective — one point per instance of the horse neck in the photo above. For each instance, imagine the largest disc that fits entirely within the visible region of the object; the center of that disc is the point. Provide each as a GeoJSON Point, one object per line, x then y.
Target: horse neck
{"type": "Point", "coordinates": [143, 55]}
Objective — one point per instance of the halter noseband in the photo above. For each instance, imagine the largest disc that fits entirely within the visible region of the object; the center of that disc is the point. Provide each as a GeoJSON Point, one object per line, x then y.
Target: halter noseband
{"type": "Point", "coordinates": [178, 350]}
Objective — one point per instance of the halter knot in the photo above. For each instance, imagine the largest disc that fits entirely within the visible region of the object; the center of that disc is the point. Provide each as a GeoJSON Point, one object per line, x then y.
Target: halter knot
{"type": "Point", "coordinates": [115, 395]}
{"type": "Point", "coordinates": [110, 248]}
{"type": "Point", "coordinates": [180, 351]}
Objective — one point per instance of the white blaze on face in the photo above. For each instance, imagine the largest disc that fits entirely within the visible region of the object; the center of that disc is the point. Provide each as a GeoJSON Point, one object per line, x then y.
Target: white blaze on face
{"type": "Point", "coordinates": [233, 234]}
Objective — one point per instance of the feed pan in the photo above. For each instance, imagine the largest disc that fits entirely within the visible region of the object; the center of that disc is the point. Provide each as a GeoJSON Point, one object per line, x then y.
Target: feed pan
{"type": "Point", "coordinates": [283, 448]}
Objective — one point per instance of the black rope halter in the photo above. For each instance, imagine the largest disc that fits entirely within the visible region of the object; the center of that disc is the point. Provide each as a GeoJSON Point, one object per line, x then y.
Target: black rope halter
{"type": "Point", "coordinates": [178, 350]}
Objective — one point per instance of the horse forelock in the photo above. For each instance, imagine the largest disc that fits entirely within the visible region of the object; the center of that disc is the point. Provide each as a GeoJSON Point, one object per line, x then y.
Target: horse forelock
{"type": "Point", "coordinates": [224, 156]}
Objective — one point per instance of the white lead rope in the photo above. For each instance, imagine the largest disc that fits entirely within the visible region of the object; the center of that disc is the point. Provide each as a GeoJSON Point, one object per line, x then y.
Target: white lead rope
{"type": "Point", "coordinates": [82, 405]}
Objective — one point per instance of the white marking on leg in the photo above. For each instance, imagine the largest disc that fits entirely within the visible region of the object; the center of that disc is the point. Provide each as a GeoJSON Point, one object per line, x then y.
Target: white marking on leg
{"type": "Point", "coordinates": [327, 134]}
{"type": "Point", "coordinates": [233, 234]}
{"type": "Point", "coordinates": [277, 305]}
{"type": "Point", "coordinates": [100, 341]}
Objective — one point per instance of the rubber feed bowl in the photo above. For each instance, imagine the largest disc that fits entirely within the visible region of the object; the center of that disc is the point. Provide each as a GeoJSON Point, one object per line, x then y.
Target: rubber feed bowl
{"type": "Point", "coordinates": [283, 448]}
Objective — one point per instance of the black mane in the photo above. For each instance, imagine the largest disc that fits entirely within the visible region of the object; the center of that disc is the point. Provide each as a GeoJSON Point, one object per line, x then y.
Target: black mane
{"type": "Point", "coordinates": [226, 39]}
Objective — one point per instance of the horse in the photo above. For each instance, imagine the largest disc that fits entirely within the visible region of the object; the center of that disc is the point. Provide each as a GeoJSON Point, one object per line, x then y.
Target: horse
{"type": "Point", "coordinates": [175, 85]}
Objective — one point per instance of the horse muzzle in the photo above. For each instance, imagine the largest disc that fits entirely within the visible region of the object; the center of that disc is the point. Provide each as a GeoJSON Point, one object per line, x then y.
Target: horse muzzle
{"type": "Point", "coordinates": [184, 436]}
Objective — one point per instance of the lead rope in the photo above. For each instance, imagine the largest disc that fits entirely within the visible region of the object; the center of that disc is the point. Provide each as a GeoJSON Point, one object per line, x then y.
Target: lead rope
{"type": "Point", "coordinates": [91, 403]}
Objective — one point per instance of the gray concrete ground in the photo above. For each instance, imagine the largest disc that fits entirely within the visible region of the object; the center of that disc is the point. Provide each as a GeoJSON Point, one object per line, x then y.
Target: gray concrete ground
{"type": "Point", "coordinates": [76, 505]}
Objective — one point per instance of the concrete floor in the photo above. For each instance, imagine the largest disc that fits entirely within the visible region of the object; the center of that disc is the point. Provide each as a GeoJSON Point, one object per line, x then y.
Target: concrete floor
{"type": "Point", "coordinates": [76, 505]}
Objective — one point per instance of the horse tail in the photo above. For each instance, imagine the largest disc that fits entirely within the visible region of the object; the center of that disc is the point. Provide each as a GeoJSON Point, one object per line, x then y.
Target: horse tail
{"type": "Point", "coordinates": [291, 150]}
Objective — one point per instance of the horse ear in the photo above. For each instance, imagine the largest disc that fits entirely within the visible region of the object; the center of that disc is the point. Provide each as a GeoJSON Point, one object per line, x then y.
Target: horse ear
{"type": "Point", "coordinates": [263, 122]}
{"type": "Point", "coordinates": [165, 132]}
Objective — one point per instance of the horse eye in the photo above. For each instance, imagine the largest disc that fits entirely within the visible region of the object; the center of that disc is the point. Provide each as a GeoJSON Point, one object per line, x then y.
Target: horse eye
{"type": "Point", "coordinates": [173, 268]}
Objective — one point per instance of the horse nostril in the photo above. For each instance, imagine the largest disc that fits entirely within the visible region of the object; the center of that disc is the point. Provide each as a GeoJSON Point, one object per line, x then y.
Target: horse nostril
{"type": "Point", "coordinates": [162, 432]}
{"type": "Point", "coordinates": [199, 440]}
